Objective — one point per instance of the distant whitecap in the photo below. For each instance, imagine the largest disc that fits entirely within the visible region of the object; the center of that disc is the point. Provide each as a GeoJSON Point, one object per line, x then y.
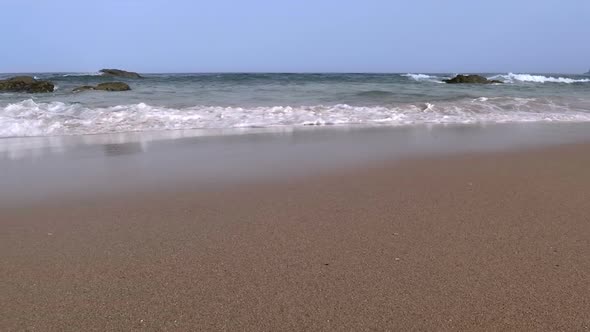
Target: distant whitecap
{"type": "Point", "coordinates": [511, 78]}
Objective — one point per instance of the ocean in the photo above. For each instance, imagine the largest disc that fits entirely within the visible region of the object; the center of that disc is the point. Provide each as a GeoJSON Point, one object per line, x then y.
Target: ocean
{"type": "Point", "coordinates": [163, 102]}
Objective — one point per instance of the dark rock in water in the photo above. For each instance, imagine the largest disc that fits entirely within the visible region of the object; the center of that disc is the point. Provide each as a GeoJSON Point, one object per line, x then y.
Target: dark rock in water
{"type": "Point", "coordinates": [41, 86]}
{"type": "Point", "coordinates": [119, 73]}
{"type": "Point", "coordinates": [24, 79]}
{"type": "Point", "coordinates": [470, 79]}
{"type": "Point", "coordinates": [113, 86]}
{"type": "Point", "coordinates": [26, 84]}
{"type": "Point", "coordinates": [110, 86]}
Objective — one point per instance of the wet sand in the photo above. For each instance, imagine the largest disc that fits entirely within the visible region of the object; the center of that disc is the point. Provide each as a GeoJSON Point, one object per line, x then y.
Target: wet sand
{"type": "Point", "coordinates": [35, 169]}
{"type": "Point", "coordinates": [477, 241]}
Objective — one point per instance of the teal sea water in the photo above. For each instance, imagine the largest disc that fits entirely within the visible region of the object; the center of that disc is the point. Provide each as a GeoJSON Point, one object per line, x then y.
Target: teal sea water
{"type": "Point", "coordinates": [223, 101]}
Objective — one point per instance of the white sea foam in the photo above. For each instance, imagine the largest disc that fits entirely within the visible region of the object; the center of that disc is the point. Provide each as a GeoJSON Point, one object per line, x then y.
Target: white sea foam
{"type": "Point", "coordinates": [418, 77]}
{"type": "Point", "coordinates": [30, 118]}
{"type": "Point", "coordinates": [423, 77]}
{"type": "Point", "coordinates": [511, 78]}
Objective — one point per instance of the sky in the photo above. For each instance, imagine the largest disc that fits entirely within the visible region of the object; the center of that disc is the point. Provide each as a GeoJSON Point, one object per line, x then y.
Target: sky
{"type": "Point", "coordinates": [418, 36]}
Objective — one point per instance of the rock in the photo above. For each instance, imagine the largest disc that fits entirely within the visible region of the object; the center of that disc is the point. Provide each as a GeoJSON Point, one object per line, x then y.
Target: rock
{"type": "Point", "coordinates": [26, 84]}
{"type": "Point", "coordinates": [25, 79]}
{"type": "Point", "coordinates": [113, 86]}
{"type": "Point", "coordinates": [470, 79]}
{"type": "Point", "coordinates": [110, 86]}
{"type": "Point", "coordinates": [119, 73]}
{"type": "Point", "coordinates": [41, 86]}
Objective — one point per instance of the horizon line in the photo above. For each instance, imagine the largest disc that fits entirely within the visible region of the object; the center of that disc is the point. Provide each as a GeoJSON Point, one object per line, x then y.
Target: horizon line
{"type": "Point", "coordinates": [300, 72]}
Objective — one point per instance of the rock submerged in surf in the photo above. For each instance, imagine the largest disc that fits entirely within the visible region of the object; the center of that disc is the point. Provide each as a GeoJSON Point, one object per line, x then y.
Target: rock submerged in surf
{"type": "Point", "coordinates": [470, 79]}
{"type": "Point", "coordinates": [109, 86]}
{"type": "Point", "coordinates": [119, 73]}
{"type": "Point", "coordinates": [26, 84]}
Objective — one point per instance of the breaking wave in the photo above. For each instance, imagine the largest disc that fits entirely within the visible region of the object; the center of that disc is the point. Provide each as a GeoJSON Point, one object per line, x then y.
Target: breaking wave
{"type": "Point", "coordinates": [424, 77]}
{"type": "Point", "coordinates": [29, 118]}
{"type": "Point", "coordinates": [512, 78]}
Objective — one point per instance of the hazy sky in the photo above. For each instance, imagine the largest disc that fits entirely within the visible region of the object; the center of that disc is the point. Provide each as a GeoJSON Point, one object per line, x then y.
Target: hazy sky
{"type": "Point", "coordinates": [296, 35]}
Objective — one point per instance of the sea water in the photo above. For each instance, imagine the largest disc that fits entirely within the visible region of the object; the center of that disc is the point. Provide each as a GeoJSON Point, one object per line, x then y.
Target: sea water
{"type": "Point", "coordinates": [163, 102]}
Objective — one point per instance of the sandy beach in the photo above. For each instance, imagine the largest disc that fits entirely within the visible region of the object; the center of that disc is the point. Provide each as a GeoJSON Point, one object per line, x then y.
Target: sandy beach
{"type": "Point", "coordinates": [294, 166]}
{"type": "Point", "coordinates": [475, 241]}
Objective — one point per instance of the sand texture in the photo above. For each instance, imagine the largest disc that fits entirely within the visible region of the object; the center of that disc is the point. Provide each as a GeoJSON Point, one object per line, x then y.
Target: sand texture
{"type": "Point", "coordinates": [479, 242]}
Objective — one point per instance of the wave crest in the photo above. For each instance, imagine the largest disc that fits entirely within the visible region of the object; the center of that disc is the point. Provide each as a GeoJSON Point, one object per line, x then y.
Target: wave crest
{"type": "Point", "coordinates": [29, 118]}
{"type": "Point", "coordinates": [511, 78]}
{"type": "Point", "coordinates": [424, 77]}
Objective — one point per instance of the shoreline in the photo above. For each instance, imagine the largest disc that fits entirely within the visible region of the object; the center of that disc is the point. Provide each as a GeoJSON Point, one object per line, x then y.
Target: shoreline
{"type": "Point", "coordinates": [74, 167]}
{"type": "Point", "coordinates": [484, 241]}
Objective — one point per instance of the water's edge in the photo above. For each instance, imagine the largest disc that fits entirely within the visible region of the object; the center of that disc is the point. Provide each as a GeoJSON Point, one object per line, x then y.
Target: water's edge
{"type": "Point", "coordinates": [34, 169]}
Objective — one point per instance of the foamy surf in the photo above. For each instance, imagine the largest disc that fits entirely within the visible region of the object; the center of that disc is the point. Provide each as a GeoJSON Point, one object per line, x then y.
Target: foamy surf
{"type": "Point", "coordinates": [424, 77]}
{"type": "Point", "coordinates": [30, 118]}
{"type": "Point", "coordinates": [512, 78]}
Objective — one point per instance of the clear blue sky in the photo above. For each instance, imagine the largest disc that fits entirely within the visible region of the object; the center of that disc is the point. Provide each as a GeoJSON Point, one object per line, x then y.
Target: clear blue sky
{"type": "Point", "coordinates": [296, 35]}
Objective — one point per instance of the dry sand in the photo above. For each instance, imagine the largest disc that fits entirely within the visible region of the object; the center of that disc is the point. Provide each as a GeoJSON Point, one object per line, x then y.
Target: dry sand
{"type": "Point", "coordinates": [497, 241]}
